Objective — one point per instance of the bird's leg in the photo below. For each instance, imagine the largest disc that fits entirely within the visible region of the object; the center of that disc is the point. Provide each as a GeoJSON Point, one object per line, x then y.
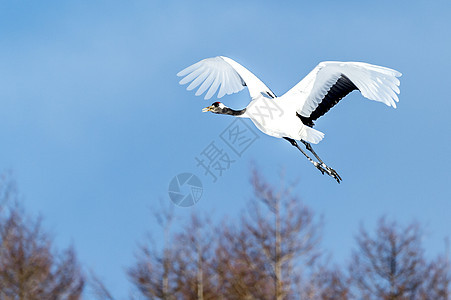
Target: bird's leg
{"type": "Point", "coordinates": [316, 164]}
{"type": "Point", "coordinates": [328, 169]}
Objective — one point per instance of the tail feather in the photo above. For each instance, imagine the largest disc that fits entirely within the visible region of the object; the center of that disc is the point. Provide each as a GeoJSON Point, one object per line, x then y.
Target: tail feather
{"type": "Point", "coordinates": [310, 135]}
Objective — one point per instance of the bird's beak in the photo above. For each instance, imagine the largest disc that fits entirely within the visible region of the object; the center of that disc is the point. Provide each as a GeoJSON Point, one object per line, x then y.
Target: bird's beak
{"type": "Point", "coordinates": [206, 109]}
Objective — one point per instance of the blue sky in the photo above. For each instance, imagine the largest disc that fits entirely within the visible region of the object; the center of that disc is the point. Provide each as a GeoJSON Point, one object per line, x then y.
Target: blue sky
{"type": "Point", "coordinates": [94, 124]}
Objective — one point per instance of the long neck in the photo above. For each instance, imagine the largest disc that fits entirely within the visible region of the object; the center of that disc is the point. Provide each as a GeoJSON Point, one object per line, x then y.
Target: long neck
{"type": "Point", "coordinates": [232, 112]}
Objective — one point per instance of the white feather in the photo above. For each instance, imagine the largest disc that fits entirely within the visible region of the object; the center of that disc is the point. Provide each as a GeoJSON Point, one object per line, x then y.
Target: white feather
{"type": "Point", "coordinates": [374, 82]}
{"type": "Point", "coordinates": [221, 73]}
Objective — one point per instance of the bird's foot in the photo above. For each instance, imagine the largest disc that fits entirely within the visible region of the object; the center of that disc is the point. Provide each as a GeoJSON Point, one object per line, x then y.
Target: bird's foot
{"type": "Point", "coordinates": [331, 172]}
{"type": "Point", "coordinates": [320, 167]}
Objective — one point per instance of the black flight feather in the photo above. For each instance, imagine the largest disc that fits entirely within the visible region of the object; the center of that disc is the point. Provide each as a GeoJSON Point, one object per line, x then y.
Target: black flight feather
{"type": "Point", "coordinates": [340, 89]}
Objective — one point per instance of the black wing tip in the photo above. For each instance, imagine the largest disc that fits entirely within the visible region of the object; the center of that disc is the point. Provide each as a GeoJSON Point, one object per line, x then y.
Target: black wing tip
{"type": "Point", "coordinates": [342, 87]}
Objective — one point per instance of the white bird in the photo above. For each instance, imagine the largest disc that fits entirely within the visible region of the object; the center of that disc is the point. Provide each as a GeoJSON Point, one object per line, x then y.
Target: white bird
{"type": "Point", "coordinates": [291, 115]}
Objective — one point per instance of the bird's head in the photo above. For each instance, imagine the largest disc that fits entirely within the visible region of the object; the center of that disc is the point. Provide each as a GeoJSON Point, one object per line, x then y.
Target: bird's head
{"type": "Point", "coordinates": [217, 108]}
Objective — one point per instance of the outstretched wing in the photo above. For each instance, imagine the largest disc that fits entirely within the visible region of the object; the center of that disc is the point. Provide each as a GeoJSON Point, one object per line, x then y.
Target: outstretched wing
{"type": "Point", "coordinates": [330, 81]}
{"type": "Point", "coordinates": [224, 74]}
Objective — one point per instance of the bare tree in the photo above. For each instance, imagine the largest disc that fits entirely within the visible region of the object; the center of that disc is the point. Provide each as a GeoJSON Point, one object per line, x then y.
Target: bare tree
{"type": "Point", "coordinates": [29, 269]}
{"type": "Point", "coordinates": [391, 265]}
{"type": "Point", "coordinates": [274, 248]}
{"type": "Point", "coordinates": [327, 283]}
{"type": "Point", "coordinates": [196, 277]}
{"type": "Point", "coordinates": [288, 237]}
{"type": "Point", "coordinates": [239, 267]}
{"type": "Point", "coordinates": [98, 288]}
{"type": "Point", "coordinates": [181, 269]}
{"type": "Point", "coordinates": [153, 273]}
{"type": "Point", "coordinates": [437, 279]}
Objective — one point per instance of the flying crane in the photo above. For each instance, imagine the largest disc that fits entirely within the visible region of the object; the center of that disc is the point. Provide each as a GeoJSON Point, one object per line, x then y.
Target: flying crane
{"type": "Point", "coordinates": [302, 105]}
